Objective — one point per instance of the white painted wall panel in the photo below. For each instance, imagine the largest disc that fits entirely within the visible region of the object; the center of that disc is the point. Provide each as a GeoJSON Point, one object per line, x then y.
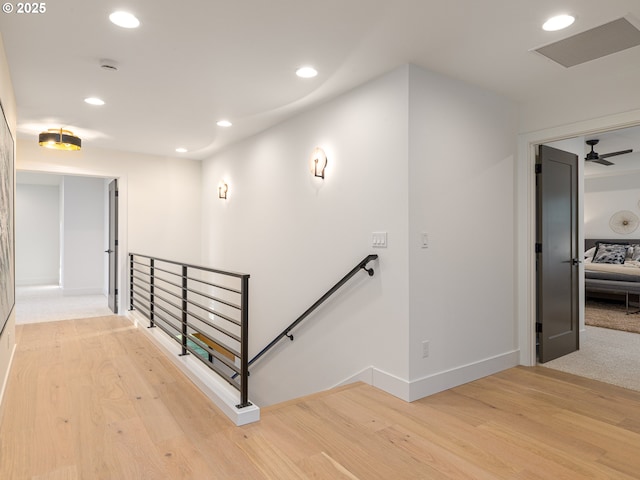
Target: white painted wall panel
{"type": "Point", "coordinates": [83, 235]}
{"type": "Point", "coordinates": [297, 236]}
{"type": "Point", "coordinates": [37, 234]}
{"type": "Point", "coordinates": [461, 170]}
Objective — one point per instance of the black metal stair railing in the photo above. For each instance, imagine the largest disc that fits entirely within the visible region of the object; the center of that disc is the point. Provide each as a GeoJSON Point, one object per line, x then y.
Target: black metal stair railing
{"type": "Point", "coordinates": [205, 310]}
{"type": "Point", "coordinates": [362, 265]}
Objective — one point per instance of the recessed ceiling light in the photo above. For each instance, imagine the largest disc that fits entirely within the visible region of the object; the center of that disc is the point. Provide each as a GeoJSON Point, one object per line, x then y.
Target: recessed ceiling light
{"type": "Point", "coordinates": [558, 23]}
{"type": "Point", "coordinates": [306, 72]}
{"type": "Point", "coordinates": [224, 123]}
{"type": "Point", "coordinates": [181, 150]}
{"type": "Point", "coordinates": [94, 101]}
{"type": "Point", "coordinates": [124, 19]}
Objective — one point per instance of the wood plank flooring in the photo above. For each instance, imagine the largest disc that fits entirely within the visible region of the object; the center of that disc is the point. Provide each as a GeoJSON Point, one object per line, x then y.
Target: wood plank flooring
{"type": "Point", "coordinates": [93, 399]}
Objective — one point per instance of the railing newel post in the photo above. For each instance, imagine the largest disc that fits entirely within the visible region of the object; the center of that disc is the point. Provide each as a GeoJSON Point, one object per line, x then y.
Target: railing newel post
{"type": "Point", "coordinates": [244, 343]}
{"type": "Point", "coordinates": [151, 293]}
{"type": "Point", "coordinates": [184, 311]}
{"type": "Point", "coordinates": [130, 281]}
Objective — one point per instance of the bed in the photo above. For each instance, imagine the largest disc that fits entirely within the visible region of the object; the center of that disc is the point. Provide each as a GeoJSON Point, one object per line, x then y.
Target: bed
{"type": "Point", "coordinates": [612, 268]}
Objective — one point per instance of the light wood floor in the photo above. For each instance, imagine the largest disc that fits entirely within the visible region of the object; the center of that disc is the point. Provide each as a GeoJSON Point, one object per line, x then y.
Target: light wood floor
{"type": "Point", "coordinates": [93, 399]}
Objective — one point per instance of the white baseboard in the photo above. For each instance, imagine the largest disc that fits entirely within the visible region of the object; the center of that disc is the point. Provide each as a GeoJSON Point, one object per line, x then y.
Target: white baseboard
{"type": "Point", "coordinates": [438, 382]}
{"type": "Point", "coordinates": [36, 282]}
{"type": "Point", "coordinates": [82, 291]}
{"type": "Point", "coordinates": [6, 377]}
{"type": "Point", "coordinates": [223, 395]}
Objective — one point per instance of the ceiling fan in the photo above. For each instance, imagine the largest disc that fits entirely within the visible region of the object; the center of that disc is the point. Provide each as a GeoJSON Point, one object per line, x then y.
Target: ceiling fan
{"type": "Point", "coordinates": [594, 157]}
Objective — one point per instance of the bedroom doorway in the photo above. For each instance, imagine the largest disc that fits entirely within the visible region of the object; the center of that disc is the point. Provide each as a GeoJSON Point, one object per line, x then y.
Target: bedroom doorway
{"type": "Point", "coordinates": [557, 253]}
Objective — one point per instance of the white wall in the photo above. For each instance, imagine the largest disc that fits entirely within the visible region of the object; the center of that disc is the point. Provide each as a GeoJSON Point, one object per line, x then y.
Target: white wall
{"type": "Point", "coordinates": [605, 196]}
{"type": "Point", "coordinates": [409, 152]}
{"type": "Point", "coordinates": [7, 336]}
{"type": "Point", "coordinates": [159, 198]}
{"type": "Point", "coordinates": [297, 235]}
{"type": "Point", "coordinates": [83, 235]}
{"type": "Point", "coordinates": [37, 234]}
{"type": "Point", "coordinates": [461, 170]}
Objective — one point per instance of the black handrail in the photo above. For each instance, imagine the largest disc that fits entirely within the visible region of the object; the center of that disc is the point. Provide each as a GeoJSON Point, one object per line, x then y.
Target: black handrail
{"type": "Point", "coordinates": [287, 331]}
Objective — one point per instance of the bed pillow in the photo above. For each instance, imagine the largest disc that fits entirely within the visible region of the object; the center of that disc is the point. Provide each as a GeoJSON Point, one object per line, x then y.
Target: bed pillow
{"type": "Point", "coordinates": [635, 256]}
{"type": "Point", "coordinates": [589, 253]}
{"type": "Point", "coordinates": [610, 253]}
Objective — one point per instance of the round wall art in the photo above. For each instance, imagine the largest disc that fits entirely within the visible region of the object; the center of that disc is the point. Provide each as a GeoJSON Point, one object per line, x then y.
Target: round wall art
{"type": "Point", "coordinates": [624, 222]}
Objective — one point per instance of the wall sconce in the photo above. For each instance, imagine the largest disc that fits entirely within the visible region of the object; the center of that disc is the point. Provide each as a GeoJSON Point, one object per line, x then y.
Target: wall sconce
{"type": "Point", "coordinates": [318, 162]}
{"type": "Point", "coordinates": [222, 191]}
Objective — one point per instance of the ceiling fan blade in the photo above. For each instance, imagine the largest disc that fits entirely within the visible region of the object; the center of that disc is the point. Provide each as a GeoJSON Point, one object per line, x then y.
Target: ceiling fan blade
{"type": "Point", "coordinates": [601, 161]}
{"type": "Point", "coordinates": [613, 154]}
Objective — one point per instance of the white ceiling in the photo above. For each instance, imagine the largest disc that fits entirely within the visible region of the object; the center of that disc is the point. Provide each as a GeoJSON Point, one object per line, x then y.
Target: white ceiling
{"type": "Point", "coordinates": [194, 62]}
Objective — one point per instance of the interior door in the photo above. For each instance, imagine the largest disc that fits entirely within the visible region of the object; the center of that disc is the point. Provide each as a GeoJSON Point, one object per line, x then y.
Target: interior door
{"type": "Point", "coordinates": [557, 253]}
{"type": "Point", "coordinates": [113, 247]}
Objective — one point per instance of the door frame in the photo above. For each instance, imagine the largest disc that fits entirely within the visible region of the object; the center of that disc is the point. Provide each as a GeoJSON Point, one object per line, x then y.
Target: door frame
{"type": "Point", "coordinates": [525, 197]}
{"type": "Point", "coordinates": [123, 209]}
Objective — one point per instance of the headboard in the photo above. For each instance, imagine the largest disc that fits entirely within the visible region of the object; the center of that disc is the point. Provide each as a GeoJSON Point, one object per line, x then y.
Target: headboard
{"type": "Point", "coordinates": [591, 242]}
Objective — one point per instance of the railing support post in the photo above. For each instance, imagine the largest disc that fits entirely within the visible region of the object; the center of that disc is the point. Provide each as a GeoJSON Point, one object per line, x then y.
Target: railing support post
{"type": "Point", "coordinates": [130, 281]}
{"type": "Point", "coordinates": [244, 344]}
{"type": "Point", "coordinates": [184, 311]}
{"type": "Point", "coordinates": [151, 293]}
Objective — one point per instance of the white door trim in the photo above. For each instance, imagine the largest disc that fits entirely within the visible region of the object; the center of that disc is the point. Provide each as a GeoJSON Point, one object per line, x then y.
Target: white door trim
{"type": "Point", "coordinates": [526, 216]}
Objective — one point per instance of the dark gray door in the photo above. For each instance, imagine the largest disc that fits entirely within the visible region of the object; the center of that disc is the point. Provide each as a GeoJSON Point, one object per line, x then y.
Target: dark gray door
{"type": "Point", "coordinates": [113, 246]}
{"type": "Point", "coordinates": [557, 253]}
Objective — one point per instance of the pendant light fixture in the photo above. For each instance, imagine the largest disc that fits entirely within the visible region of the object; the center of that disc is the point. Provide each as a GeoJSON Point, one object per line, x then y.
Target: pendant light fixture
{"type": "Point", "coordinates": [59, 139]}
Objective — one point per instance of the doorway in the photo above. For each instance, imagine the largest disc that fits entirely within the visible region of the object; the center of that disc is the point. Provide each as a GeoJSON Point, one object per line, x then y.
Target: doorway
{"type": "Point", "coordinates": [526, 217]}
{"type": "Point", "coordinates": [61, 237]}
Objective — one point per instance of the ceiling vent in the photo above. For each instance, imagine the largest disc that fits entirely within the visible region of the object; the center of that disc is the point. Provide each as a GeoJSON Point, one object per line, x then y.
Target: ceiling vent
{"type": "Point", "coordinates": [598, 42]}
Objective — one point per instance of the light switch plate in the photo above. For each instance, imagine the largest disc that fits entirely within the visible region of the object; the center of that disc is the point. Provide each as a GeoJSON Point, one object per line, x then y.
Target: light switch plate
{"type": "Point", "coordinates": [379, 239]}
{"type": "Point", "coordinates": [424, 238]}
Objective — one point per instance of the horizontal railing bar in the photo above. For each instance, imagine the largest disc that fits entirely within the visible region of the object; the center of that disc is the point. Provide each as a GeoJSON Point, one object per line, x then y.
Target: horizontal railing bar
{"type": "Point", "coordinates": [202, 294]}
{"type": "Point", "coordinates": [178, 319]}
{"type": "Point", "coordinates": [160, 297]}
{"type": "Point", "coordinates": [142, 295]}
{"type": "Point", "coordinates": [215, 299]}
{"type": "Point", "coordinates": [173, 294]}
{"type": "Point", "coordinates": [229, 334]}
{"type": "Point", "coordinates": [157, 317]}
{"type": "Point", "coordinates": [141, 279]}
{"type": "Point", "coordinates": [142, 272]}
{"type": "Point", "coordinates": [145, 265]}
{"type": "Point", "coordinates": [216, 313]}
{"type": "Point", "coordinates": [159, 269]}
{"type": "Point", "coordinates": [193, 315]}
{"type": "Point", "coordinates": [141, 306]}
{"type": "Point", "coordinates": [214, 352]}
{"type": "Point", "coordinates": [229, 289]}
{"type": "Point", "coordinates": [195, 304]}
{"type": "Point", "coordinates": [205, 269]}
{"type": "Point", "coordinates": [223, 374]}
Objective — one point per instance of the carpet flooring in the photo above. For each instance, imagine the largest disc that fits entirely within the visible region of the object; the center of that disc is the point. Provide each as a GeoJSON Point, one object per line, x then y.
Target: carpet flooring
{"type": "Point", "coordinates": [611, 315]}
{"type": "Point", "coordinates": [611, 356]}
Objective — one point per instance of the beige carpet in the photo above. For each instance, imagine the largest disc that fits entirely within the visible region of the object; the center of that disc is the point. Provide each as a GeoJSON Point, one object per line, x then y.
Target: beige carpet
{"type": "Point", "coordinates": [611, 315]}
{"type": "Point", "coordinates": [611, 356]}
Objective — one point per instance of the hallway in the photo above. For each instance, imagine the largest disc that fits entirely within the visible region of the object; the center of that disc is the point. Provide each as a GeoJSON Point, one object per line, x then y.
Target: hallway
{"type": "Point", "coordinates": [92, 398]}
{"type": "Point", "coordinates": [36, 304]}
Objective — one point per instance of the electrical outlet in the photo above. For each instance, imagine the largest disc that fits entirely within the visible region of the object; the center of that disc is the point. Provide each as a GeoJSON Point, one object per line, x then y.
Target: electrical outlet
{"type": "Point", "coordinates": [425, 349]}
